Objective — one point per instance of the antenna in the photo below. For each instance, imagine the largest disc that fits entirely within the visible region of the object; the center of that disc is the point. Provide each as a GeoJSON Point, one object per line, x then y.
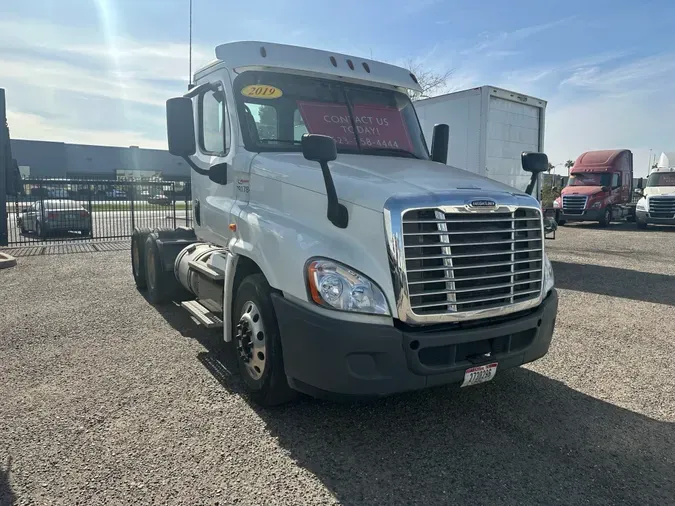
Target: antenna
{"type": "Point", "coordinates": [190, 50]}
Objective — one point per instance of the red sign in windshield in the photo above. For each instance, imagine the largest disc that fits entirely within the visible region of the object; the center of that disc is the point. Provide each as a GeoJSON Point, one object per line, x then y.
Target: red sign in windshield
{"type": "Point", "coordinates": [377, 126]}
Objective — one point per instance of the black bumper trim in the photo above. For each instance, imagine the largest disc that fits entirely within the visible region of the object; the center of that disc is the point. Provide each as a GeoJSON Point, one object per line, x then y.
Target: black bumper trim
{"type": "Point", "coordinates": [590, 215]}
{"type": "Point", "coordinates": [327, 357]}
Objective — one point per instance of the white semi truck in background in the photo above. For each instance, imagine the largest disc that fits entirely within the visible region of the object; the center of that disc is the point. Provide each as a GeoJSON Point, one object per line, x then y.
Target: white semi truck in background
{"type": "Point", "coordinates": [489, 129]}
{"type": "Point", "coordinates": [338, 255]}
{"type": "Point", "coordinates": [657, 205]}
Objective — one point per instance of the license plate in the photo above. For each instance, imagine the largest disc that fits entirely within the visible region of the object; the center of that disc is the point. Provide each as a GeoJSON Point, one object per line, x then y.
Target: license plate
{"type": "Point", "coordinates": [479, 374]}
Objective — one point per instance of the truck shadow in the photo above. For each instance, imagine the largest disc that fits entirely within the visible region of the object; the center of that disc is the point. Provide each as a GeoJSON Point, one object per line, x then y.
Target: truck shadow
{"type": "Point", "coordinates": [615, 282]}
{"type": "Point", "coordinates": [7, 495]}
{"type": "Point", "coordinates": [521, 439]}
{"type": "Point", "coordinates": [525, 439]}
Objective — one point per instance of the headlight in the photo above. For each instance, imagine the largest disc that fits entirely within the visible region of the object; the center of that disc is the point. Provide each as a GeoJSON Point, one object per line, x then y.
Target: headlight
{"type": "Point", "coordinates": [549, 278]}
{"type": "Point", "coordinates": [596, 205]}
{"type": "Point", "coordinates": [641, 205]}
{"type": "Point", "coordinates": [337, 286]}
{"type": "Point", "coordinates": [556, 203]}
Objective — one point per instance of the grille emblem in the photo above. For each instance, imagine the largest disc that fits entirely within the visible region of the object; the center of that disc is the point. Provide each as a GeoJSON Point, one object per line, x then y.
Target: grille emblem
{"type": "Point", "coordinates": [483, 203]}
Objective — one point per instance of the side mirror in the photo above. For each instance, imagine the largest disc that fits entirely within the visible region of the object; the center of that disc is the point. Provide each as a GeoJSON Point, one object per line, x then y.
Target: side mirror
{"type": "Point", "coordinates": [439, 143]}
{"type": "Point", "coordinates": [640, 184]}
{"type": "Point", "coordinates": [322, 149]}
{"type": "Point", "coordinates": [319, 148]}
{"type": "Point", "coordinates": [180, 127]}
{"type": "Point", "coordinates": [534, 162]}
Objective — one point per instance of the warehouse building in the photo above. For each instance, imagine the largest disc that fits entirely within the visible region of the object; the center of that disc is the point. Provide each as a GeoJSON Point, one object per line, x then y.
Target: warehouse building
{"type": "Point", "coordinates": [43, 159]}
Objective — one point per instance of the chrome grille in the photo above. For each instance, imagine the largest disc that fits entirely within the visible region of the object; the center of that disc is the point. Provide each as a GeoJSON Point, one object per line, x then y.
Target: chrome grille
{"type": "Point", "coordinates": [574, 204]}
{"type": "Point", "coordinates": [662, 207]}
{"type": "Point", "coordinates": [460, 262]}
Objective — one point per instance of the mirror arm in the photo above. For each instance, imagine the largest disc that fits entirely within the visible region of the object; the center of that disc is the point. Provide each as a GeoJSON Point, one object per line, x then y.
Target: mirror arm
{"type": "Point", "coordinates": [202, 88]}
{"type": "Point", "coordinates": [336, 212]}
{"type": "Point", "coordinates": [194, 166]}
{"type": "Point", "coordinates": [533, 181]}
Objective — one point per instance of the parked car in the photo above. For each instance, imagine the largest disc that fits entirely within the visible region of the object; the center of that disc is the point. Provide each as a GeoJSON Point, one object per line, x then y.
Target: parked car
{"type": "Point", "coordinates": [116, 194]}
{"type": "Point", "coordinates": [52, 216]}
{"type": "Point", "coordinates": [160, 200]}
{"type": "Point", "coordinates": [58, 193]}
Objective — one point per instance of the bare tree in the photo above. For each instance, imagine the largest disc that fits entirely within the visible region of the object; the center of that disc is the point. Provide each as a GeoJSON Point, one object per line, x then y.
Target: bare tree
{"type": "Point", "coordinates": [431, 82]}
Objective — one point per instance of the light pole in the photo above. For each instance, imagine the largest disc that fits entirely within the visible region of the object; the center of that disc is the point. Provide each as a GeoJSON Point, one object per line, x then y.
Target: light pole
{"type": "Point", "coordinates": [190, 50]}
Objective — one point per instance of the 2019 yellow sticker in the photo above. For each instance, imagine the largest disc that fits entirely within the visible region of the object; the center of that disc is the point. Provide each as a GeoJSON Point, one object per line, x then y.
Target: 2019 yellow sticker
{"type": "Point", "coordinates": [261, 91]}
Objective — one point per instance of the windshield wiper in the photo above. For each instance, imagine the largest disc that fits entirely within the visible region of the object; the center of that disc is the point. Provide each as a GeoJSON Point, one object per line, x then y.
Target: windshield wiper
{"type": "Point", "coordinates": [391, 151]}
{"type": "Point", "coordinates": [286, 141]}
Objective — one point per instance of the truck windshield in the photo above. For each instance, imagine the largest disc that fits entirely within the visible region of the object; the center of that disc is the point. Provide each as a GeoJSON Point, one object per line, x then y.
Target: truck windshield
{"type": "Point", "coordinates": [277, 109]}
{"type": "Point", "coordinates": [661, 179]}
{"type": "Point", "coordinates": [590, 179]}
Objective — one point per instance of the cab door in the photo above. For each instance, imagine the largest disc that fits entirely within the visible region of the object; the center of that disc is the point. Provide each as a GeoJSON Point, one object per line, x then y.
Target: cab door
{"type": "Point", "coordinates": [214, 194]}
{"type": "Point", "coordinates": [616, 189]}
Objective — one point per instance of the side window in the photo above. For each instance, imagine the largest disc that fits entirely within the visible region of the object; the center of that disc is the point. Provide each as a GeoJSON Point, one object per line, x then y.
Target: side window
{"type": "Point", "coordinates": [266, 121]}
{"type": "Point", "coordinates": [299, 128]}
{"type": "Point", "coordinates": [615, 181]}
{"type": "Point", "coordinates": [214, 124]}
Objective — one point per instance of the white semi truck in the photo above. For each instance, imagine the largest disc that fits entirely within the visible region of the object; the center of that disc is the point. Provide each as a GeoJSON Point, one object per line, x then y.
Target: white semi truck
{"type": "Point", "coordinates": [489, 129]}
{"type": "Point", "coordinates": [657, 205]}
{"type": "Point", "coordinates": [339, 256]}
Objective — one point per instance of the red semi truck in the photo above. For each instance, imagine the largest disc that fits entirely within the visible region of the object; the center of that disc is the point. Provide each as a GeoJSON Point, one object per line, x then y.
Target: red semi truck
{"type": "Point", "coordinates": [599, 188]}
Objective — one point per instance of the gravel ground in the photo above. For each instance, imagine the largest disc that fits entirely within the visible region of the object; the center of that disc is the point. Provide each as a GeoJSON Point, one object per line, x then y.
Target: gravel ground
{"type": "Point", "coordinates": [106, 400]}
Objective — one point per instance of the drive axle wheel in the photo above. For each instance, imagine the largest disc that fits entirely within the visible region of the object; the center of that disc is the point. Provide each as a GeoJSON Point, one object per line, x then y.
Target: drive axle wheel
{"type": "Point", "coordinates": [138, 239]}
{"type": "Point", "coordinates": [258, 343]}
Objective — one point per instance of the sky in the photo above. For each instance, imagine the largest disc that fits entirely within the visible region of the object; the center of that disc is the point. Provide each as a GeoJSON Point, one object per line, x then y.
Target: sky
{"type": "Point", "coordinates": [100, 71]}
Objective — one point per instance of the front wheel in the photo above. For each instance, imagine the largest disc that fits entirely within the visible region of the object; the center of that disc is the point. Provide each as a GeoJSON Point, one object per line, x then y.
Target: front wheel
{"type": "Point", "coordinates": [642, 225]}
{"type": "Point", "coordinates": [606, 217]}
{"type": "Point", "coordinates": [258, 343]}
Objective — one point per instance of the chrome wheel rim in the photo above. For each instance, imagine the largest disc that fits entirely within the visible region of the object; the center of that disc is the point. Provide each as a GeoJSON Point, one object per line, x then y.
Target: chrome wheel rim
{"type": "Point", "coordinates": [251, 340]}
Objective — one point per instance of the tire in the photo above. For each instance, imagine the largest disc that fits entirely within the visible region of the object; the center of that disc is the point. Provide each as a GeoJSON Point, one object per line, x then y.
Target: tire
{"type": "Point", "coordinates": [606, 217]}
{"type": "Point", "coordinates": [642, 225]}
{"type": "Point", "coordinates": [39, 231]}
{"type": "Point", "coordinates": [86, 232]}
{"type": "Point", "coordinates": [156, 279]}
{"type": "Point", "coordinates": [163, 287]}
{"type": "Point", "coordinates": [256, 331]}
{"type": "Point", "coordinates": [562, 222]}
{"type": "Point", "coordinates": [138, 239]}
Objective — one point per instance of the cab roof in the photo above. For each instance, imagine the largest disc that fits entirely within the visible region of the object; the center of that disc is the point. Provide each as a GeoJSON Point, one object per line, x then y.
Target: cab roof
{"type": "Point", "coordinates": [598, 161]}
{"type": "Point", "coordinates": [249, 55]}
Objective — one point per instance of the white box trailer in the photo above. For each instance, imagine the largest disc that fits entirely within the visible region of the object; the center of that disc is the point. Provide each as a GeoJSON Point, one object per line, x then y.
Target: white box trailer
{"type": "Point", "coordinates": [489, 129]}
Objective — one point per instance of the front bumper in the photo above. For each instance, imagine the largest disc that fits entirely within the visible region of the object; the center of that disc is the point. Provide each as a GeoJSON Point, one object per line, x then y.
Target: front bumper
{"type": "Point", "coordinates": [645, 217]}
{"type": "Point", "coordinates": [589, 215]}
{"type": "Point", "coordinates": [327, 357]}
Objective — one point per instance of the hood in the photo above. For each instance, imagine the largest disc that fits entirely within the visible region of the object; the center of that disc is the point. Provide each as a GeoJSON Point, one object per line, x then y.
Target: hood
{"type": "Point", "coordinates": [368, 181]}
{"type": "Point", "coordinates": [659, 190]}
{"type": "Point", "coordinates": [581, 190]}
